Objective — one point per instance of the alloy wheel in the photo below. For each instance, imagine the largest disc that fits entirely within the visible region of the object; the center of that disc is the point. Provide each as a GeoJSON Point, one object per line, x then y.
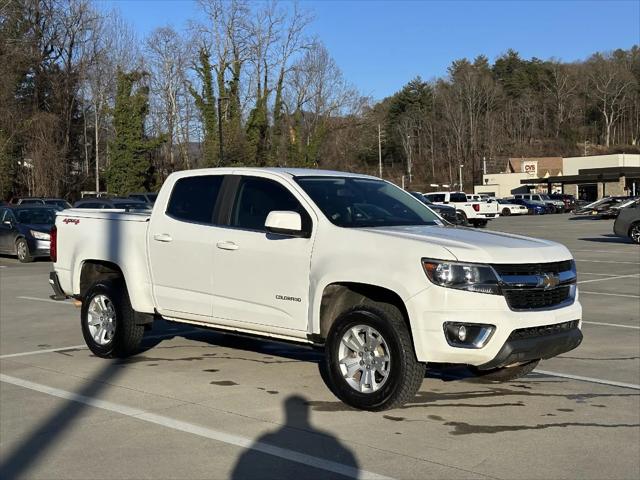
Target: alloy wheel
{"type": "Point", "coordinates": [364, 359]}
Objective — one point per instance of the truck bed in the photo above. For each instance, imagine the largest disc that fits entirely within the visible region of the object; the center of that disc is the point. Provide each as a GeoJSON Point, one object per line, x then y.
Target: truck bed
{"type": "Point", "coordinates": [104, 235]}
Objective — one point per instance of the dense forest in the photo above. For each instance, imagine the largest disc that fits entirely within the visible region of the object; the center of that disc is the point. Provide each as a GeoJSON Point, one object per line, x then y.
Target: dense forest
{"type": "Point", "coordinates": [85, 105]}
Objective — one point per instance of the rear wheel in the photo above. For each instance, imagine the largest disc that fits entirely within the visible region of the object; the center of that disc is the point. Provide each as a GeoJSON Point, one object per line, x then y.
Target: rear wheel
{"type": "Point", "coordinates": [505, 374]}
{"type": "Point", "coordinates": [634, 232]}
{"type": "Point", "coordinates": [506, 212]}
{"type": "Point", "coordinates": [369, 358]}
{"type": "Point", "coordinates": [479, 223]}
{"type": "Point", "coordinates": [22, 251]}
{"type": "Point", "coordinates": [108, 321]}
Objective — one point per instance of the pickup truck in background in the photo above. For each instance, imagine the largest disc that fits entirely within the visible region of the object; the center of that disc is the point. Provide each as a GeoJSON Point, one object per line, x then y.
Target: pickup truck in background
{"type": "Point", "coordinates": [477, 213]}
{"type": "Point", "coordinates": [344, 262]}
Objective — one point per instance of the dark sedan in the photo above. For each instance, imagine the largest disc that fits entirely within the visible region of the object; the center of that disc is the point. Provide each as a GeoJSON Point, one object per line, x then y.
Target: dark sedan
{"type": "Point", "coordinates": [445, 211]}
{"type": "Point", "coordinates": [24, 231]}
{"type": "Point", "coordinates": [627, 224]}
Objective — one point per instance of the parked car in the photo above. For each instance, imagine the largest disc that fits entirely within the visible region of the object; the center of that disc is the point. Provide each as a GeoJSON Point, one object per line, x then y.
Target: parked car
{"type": "Point", "coordinates": [147, 197]}
{"type": "Point", "coordinates": [568, 200]}
{"type": "Point", "coordinates": [58, 203]}
{"type": "Point", "coordinates": [553, 206]}
{"type": "Point", "coordinates": [445, 211]}
{"type": "Point", "coordinates": [477, 213]}
{"type": "Point", "coordinates": [601, 208]}
{"type": "Point", "coordinates": [613, 211]}
{"type": "Point", "coordinates": [507, 207]}
{"type": "Point", "coordinates": [628, 222]}
{"type": "Point", "coordinates": [346, 262]}
{"type": "Point", "coordinates": [119, 203]}
{"type": "Point", "coordinates": [534, 208]}
{"type": "Point", "coordinates": [24, 231]}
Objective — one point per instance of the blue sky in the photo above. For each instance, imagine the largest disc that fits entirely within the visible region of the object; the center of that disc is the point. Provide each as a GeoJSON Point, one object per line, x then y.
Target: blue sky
{"type": "Point", "coordinates": [380, 45]}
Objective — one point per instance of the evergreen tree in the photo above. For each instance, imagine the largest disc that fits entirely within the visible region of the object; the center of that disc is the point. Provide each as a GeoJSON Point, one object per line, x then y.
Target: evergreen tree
{"type": "Point", "coordinates": [205, 101]}
{"type": "Point", "coordinates": [130, 168]}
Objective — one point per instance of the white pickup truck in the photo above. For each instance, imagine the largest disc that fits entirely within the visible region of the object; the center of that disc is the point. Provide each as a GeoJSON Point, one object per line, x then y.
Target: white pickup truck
{"type": "Point", "coordinates": [476, 212]}
{"type": "Point", "coordinates": [349, 263]}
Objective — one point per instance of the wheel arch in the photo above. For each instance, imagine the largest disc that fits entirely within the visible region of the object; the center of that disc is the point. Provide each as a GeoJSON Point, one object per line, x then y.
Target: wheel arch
{"type": "Point", "coordinates": [94, 270]}
{"type": "Point", "coordinates": [338, 297]}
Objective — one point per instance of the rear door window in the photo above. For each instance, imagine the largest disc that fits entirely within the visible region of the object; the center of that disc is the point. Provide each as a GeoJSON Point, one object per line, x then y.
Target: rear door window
{"type": "Point", "coordinates": [436, 197]}
{"type": "Point", "coordinates": [193, 199]}
{"type": "Point", "coordinates": [458, 197]}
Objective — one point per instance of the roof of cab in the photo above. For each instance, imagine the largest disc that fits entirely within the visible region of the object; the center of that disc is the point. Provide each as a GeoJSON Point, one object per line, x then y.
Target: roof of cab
{"type": "Point", "coordinates": [284, 171]}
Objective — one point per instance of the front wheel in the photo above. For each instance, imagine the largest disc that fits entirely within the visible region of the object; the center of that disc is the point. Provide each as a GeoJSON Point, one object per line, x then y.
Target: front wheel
{"type": "Point", "coordinates": [506, 212]}
{"type": "Point", "coordinates": [634, 233]}
{"type": "Point", "coordinates": [108, 321]}
{"type": "Point", "coordinates": [505, 374]}
{"type": "Point", "coordinates": [370, 360]}
{"type": "Point", "coordinates": [22, 251]}
{"type": "Point", "coordinates": [461, 218]}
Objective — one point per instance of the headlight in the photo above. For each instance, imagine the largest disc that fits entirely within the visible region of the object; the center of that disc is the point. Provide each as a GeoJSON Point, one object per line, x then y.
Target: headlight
{"type": "Point", "coordinates": [40, 235]}
{"type": "Point", "coordinates": [462, 276]}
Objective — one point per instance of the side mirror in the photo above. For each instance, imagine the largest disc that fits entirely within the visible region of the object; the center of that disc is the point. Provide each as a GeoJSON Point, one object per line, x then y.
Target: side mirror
{"type": "Point", "coordinates": [284, 223]}
{"type": "Point", "coordinates": [7, 223]}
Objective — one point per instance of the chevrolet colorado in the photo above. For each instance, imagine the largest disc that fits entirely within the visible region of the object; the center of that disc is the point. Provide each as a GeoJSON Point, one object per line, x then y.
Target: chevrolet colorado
{"type": "Point", "coordinates": [346, 262]}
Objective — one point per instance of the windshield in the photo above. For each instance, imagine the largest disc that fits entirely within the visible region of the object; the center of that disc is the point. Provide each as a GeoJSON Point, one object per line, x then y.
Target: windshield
{"type": "Point", "coordinates": [36, 216]}
{"type": "Point", "coordinates": [361, 202]}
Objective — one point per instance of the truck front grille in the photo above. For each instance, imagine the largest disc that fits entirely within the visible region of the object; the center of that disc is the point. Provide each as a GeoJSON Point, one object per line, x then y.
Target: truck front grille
{"type": "Point", "coordinates": [532, 268]}
{"type": "Point", "coordinates": [531, 299]}
{"type": "Point", "coordinates": [537, 286]}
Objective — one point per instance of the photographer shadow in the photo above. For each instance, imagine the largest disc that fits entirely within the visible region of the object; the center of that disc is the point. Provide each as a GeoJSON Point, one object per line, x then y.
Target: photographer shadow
{"type": "Point", "coordinates": [296, 450]}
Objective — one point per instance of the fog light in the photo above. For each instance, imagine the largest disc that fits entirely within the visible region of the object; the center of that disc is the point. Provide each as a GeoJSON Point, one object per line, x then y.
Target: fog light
{"type": "Point", "coordinates": [462, 333]}
{"type": "Point", "coordinates": [468, 335]}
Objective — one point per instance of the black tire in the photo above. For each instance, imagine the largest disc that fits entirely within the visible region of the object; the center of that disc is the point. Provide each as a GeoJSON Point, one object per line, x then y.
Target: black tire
{"type": "Point", "coordinates": [634, 232]}
{"type": "Point", "coordinates": [405, 372]}
{"type": "Point", "coordinates": [479, 223]}
{"type": "Point", "coordinates": [461, 218]}
{"type": "Point", "coordinates": [127, 336]}
{"type": "Point", "coordinates": [506, 212]}
{"type": "Point", "coordinates": [505, 374]}
{"type": "Point", "coordinates": [22, 251]}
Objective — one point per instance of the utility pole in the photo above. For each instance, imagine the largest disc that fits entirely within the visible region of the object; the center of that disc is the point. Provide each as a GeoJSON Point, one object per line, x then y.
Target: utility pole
{"type": "Point", "coordinates": [461, 184]}
{"type": "Point", "coordinates": [409, 158]}
{"type": "Point", "coordinates": [379, 152]}
{"type": "Point", "coordinates": [97, 178]}
{"type": "Point", "coordinates": [484, 165]}
{"type": "Point", "coordinates": [220, 139]}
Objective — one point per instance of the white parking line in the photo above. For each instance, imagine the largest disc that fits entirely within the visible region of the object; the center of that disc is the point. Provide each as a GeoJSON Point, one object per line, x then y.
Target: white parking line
{"type": "Point", "coordinates": [612, 325]}
{"type": "Point", "coordinates": [609, 294]}
{"type": "Point", "coordinates": [635, 275]}
{"type": "Point", "coordinates": [606, 251]}
{"type": "Point", "coordinates": [217, 435]}
{"type": "Point", "coordinates": [84, 346]}
{"type": "Point", "coordinates": [589, 379]}
{"type": "Point", "coordinates": [47, 300]}
{"type": "Point", "coordinates": [605, 261]}
{"type": "Point", "coordinates": [599, 274]}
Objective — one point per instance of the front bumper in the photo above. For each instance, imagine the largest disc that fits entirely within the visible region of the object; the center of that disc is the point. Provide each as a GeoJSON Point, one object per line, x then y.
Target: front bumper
{"type": "Point", "coordinates": [430, 309]}
{"type": "Point", "coordinates": [525, 345]}
{"type": "Point", "coordinates": [39, 248]}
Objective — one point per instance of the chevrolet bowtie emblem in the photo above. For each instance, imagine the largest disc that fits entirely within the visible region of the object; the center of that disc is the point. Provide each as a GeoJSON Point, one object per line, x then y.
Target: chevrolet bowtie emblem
{"type": "Point", "coordinates": [548, 281]}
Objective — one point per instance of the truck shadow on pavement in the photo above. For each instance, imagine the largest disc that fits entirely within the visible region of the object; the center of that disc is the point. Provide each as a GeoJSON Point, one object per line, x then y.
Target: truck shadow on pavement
{"type": "Point", "coordinates": [37, 443]}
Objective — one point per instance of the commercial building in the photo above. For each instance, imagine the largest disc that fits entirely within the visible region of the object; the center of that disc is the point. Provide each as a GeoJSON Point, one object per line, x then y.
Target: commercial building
{"type": "Point", "coordinates": [588, 178]}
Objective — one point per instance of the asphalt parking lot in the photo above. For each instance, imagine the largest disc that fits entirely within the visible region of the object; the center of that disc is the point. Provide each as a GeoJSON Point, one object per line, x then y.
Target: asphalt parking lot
{"type": "Point", "coordinates": [198, 404]}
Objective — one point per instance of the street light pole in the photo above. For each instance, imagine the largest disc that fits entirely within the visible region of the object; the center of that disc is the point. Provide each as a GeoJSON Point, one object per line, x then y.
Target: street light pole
{"type": "Point", "coordinates": [461, 184]}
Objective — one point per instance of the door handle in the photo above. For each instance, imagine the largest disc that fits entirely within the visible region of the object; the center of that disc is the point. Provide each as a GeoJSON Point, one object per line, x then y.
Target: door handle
{"type": "Point", "coordinates": [227, 246]}
{"type": "Point", "coordinates": [162, 237]}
